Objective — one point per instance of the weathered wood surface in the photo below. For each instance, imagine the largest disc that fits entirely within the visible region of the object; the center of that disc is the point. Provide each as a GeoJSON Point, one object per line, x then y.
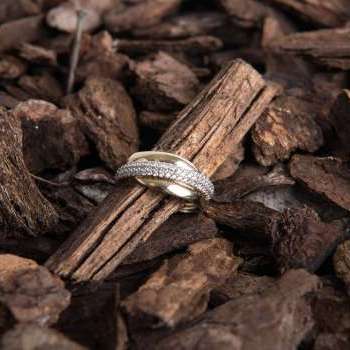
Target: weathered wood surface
{"type": "Point", "coordinates": [204, 132]}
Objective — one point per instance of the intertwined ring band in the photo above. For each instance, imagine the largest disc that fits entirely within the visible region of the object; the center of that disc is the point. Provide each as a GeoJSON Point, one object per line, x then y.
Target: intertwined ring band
{"type": "Point", "coordinates": [168, 172]}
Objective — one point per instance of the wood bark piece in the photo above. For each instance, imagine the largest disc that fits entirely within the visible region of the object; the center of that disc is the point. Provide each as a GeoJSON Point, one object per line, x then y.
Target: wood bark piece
{"type": "Point", "coordinates": [205, 133]}
{"type": "Point", "coordinates": [163, 83]}
{"type": "Point", "coordinates": [107, 117]}
{"type": "Point", "coordinates": [302, 240]}
{"type": "Point", "coordinates": [145, 14]}
{"type": "Point", "coordinates": [155, 120]}
{"type": "Point", "coordinates": [341, 263]}
{"type": "Point", "coordinates": [11, 67]}
{"type": "Point", "coordinates": [182, 26]}
{"type": "Point", "coordinates": [51, 136]}
{"type": "Point", "coordinates": [176, 233]}
{"type": "Point", "coordinates": [238, 324]}
{"type": "Point", "coordinates": [24, 30]}
{"type": "Point", "coordinates": [35, 295]}
{"type": "Point", "coordinates": [10, 10]}
{"type": "Point", "coordinates": [195, 45]}
{"type": "Point", "coordinates": [331, 13]}
{"type": "Point", "coordinates": [28, 336]}
{"type": "Point", "coordinates": [287, 125]}
{"type": "Point", "coordinates": [328, 47]}
{"type": "Point", "coordinates": [329, 177]}
{"type": "Point", "coordinates": [179, 290]}
{"type": "Point", "coordinates": [340, 120]}
{"type": "Point", "coordinates": [38, 54]}
{"type": "Point", "coordinates": [244, 216]}
{"type": "Point", "coordinates": [23, 208]}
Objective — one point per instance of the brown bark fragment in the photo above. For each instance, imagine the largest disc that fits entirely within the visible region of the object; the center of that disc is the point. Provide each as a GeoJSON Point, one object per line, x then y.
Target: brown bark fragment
{"type": "Point", "coordinates": [331, 13]}
{"type": "Point", "coordinates": [163, 83]}
{"type": "Point", "coordinates": [11, 10]}
{"type": "Point", "coordinates": [328, 176]}
{"type": "Point", "coordinates": [23, 207]}
{"type": "Point", "coordinates": [43, 86]}
{"type": "Point", "coordinates": [176, 233]}
{"type": "Point", "coordinates": [302, 240]}
{"type": "Point", "coordinates": [238, 324]}
{"type": "Point", "coordinates": [11, 67]}
{"type": "Point", "coordinates": [241, 284]}
{"type": "Point", "coordinates": [156, 120]}
{"type": "Point", "coordinates": [230, 165]}
{"type": "Point", "coordinates": [38, 54]}
{"type": "Point", "coordinates": [51, 136]}
{"type": "Point", "coordinates": [34, 295]}
{"type": "Point", "coordinates": [11, 265]}
{"type": "Point", "coordinates": [340, 120]}
{"type": "Point", "coordinates": [24, 30]}
{"type": "Point", "coordinates": [287, 125]}
{"type": "Point", "coordinates": [183, 26]}
{"type": "Point", "coordinates": [244, 216]}
{"type": "Point", "coordinates": [107, 116]}
{"type": "Point", "coordinates": [329, 47]}
{"type": "Point", "coordinates": [196, 45]}
{"type": "Point", "coordinates": [205, 133]}
{"type": "Point", "coordinates": [101, 61]}
{"type": "Point", "coordinates": [142, 15]}
{"type": "Point", "coordinates": [250, 179]}
{"type": "Point", "coordinates": [28, 336]}
{"type": "Point", "coordinates": [341, 263]}
{"type": "Point", "coordinates": [179, 290]}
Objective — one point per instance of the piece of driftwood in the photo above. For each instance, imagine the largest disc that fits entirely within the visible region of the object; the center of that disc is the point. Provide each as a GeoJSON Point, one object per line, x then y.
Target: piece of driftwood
{"type": "Point", "coordinates": [179, 290]}
{"type": "Point", "coordinates": [328, 176]}
{"type": "Point", "coordinates": [238, 324]}
{"type": "Point", "coordinates": [51, 137]}
{"type": "Point", "coordinates": [23, 207]}
{"type": "Point", "coordinates": [331, 13]}
{"type": "Point", "coordinates": [204, 132]}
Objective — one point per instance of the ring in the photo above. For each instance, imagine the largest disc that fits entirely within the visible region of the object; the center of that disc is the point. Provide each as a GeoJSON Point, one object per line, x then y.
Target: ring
{"type": "Point", "coordinates": [169, 172]}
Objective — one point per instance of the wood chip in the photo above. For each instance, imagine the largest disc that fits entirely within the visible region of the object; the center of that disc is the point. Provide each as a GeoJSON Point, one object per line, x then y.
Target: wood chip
{"type": "Point", "coordinates": [107, 116]}
{"type": "Point", "coordinates": [302, 240]}
{"type": "Point", "coordinates": [11, 67]}
{"type": "Point", "coordinates": [341, 263]}
{"type": "Point", "coordinates": [51, 136]}
{"type": "Point", "coordinates": [287, 125]}
{"type": "Point", "coordinates": [176, 233]}
{"type": "Point", "coordinates": [38, 54]}
{"type": "Point", "coordinates": [30, 337]}
{"type": "Point", "coordinates": [145, 14]}
{"type": "Point", "coordinates": [23, 208]}
{"type": "Point", "coordinates": [24, 30]}
{"type": "Point", "coordinates": [329, 177]}
{"type": "Point", "coordinates": [179, 290]}
{"type": "Point", "coordinates": [164, 84]}
{"type": "Point", "coordinates": [231, 325]}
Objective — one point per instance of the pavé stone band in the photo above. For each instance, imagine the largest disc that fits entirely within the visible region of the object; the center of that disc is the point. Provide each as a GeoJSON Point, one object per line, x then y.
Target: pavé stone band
{"type": "Point", "coordinates": [169, 172]}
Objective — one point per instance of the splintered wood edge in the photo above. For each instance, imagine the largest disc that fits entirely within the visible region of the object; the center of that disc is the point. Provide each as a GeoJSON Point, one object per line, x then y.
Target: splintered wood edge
{"type": "Point", "coordinates": [205, 132]}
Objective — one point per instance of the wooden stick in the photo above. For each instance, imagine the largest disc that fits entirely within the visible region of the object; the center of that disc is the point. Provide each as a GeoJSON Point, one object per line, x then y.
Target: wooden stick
{"type": "Point", "coordinates": [205, 132]}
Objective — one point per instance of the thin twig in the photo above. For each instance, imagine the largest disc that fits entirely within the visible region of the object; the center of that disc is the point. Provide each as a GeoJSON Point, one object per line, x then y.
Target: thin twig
{"type": "Point", "coordinates": [75, 50]}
